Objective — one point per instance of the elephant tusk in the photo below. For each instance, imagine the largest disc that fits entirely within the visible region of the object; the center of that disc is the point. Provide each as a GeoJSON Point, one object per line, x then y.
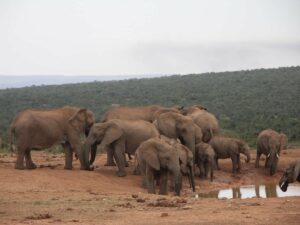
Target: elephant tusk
{"type": "Point", "coordinates": [268, 155]}
{"type": "Point", "coordinates": [277, 155]}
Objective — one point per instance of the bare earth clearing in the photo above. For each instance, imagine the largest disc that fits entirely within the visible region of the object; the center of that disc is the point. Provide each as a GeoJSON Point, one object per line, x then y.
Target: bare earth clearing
{"type": "Point", "coordinates": [52, 195]}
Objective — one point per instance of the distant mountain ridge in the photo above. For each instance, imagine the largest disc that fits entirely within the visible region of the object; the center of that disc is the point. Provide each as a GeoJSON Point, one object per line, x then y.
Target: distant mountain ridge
{"type": "Point", "coordinates": [17, 81]}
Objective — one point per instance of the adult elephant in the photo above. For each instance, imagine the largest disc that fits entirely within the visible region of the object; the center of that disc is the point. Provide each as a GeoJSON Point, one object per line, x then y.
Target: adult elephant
{"type": "Point", "coordinates": [119, 137]}
{"type": "Point", "coordinates": [204, 119]}
{"type": "Point", "coordinates": [270, 143]}
{"type": "Point", "coordinates": [205, 160]}
{"type": "Point", "coordinates": [175, 125]}
{"type": "Point", "coordinates": [157, 157]}
{"type": "Point", "coordinates": [39, 129]}
{"type": "Point", "coordinates": [147, 113]}
{"type": "Point", "coordinates": [226, 147]}
{"type": "Point", "coordinates": [290, 175]}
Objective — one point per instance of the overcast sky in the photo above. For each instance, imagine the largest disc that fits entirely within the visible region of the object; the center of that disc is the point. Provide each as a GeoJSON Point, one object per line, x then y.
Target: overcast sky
{"type": "Point", "coordinates": [122, 37]}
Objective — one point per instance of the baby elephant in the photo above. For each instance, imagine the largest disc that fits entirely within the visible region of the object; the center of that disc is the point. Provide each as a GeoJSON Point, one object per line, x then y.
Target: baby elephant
{"type": "Point", "coordinates": [291, 174]}
{"type": "Point", "coordinates": [226, 147]}
{"type": "Point", "coordinates": [205, 157]}
{"type": "Point", "coordinates": [156, 158]}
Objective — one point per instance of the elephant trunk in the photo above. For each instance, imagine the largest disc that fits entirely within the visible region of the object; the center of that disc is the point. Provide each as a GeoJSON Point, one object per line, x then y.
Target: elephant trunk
{"type": "Point", "coordinates": [93, 153]}
{"type": "Point", "coordinates": [191, 178]}
{"type": "Point", "coordinates": [283, 183]}
{"type": "Point", "coordinates": [247, 154]}
{"type": "Point", "coordinates": [177, 180]}
{"type": "Point", "coordinates": [273, 162]}
{"type": "Point", "coordinates": [86, 155]}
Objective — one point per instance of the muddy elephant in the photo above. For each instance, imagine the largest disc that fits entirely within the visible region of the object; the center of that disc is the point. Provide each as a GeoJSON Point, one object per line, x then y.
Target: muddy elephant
{"type": "Point", "coordinates": [290, 175]}
{"type": "Point", "coordinates": [147, 113]}
{"type": "Point", "coordinates": [39, 129]}
{"type": "Point", "coordinates": [204, 119]}
{"type": "Point", "coordinates": [175, 125]}
{"type": "Point", "coordinates": [119, 137]}
{"type": "Point", "coordinates": [270, 143]}
{"type": "Point", "coordinates": [226, 147]}
{"type": "Point", "coordinates": [157, 158]}
{"type": "Point", "coordinates": [205, 160]}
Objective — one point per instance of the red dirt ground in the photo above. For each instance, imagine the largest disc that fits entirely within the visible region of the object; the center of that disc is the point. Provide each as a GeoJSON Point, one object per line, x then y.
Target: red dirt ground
{"type": "Point", "coordinates": [52, 195]}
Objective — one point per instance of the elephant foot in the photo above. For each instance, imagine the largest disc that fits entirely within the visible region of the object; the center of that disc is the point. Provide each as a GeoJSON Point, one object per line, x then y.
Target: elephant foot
{"type": "Point", "coordinates": [121, 173]}
{"type": "Point", "coordinates": [136, 172]}
{"type": "Point", "coordinates": [19, 167]}
{"type": "Point", "coordinates": [31, 166]}
{"type": "Point", "coordinates": [68, 167]}
{"type": "Point", "coordinates": [110, 164]}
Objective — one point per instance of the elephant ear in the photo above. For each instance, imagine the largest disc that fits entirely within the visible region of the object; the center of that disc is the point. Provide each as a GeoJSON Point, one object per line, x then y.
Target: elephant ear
{"type": "Point", "coordinates": [283, 141]}
{"type": "Point", "coordinates": [296, 171]}
{"type": "Point", "coordinates": [111, 134]}
{"type": "Point", "coordinates": [78, 120]}
{"type": "Point", "coordinates": [151, 157]}
{"type": "Point", "coordinates": [198, 134]}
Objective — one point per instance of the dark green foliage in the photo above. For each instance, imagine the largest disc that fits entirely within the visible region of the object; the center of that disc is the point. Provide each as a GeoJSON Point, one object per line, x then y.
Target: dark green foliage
{"type": "Point", "coordinates": [245, 102]}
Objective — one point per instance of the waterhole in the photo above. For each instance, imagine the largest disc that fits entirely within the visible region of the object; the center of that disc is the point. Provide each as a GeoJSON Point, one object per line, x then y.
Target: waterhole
{"type": "Point", "coordinates": [250, 191]}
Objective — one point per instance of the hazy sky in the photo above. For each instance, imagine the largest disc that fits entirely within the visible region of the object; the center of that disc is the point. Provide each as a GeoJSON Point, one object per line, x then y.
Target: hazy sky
{"type": "Point", "coordinates": [106, 37]}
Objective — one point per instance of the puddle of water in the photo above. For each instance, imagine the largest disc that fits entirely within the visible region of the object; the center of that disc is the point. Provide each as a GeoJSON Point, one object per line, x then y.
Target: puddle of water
{"type": "Point", "coordinates": [250, 191]}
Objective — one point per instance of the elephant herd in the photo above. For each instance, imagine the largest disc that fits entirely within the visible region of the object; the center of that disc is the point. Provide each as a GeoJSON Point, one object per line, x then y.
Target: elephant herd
{"type": "Point", "coordinates": [165, 141]}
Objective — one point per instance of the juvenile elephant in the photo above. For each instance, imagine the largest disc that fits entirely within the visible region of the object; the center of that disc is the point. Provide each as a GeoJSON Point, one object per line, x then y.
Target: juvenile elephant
{"type": "Point", "coordinates": [226, 147]}
{"type": "Point", "coordinates": [204, 119]}
{"type": "Point", "coordinates": [175, 125]}
{"type": "Point", "coordinates": [119, 137]}
{"type": "Point", "coordinates": [157, 158]}
{"type": "Point", "coordinates": [39, 129]}
{"type": "Point", "coordinates": [147, 113]}
{"type": "Point", "coordinates": [270, 143]}
{"type": "Point", "coordinates": [205, 158]}
{"type": "Point", "coordinates": [290, 175]}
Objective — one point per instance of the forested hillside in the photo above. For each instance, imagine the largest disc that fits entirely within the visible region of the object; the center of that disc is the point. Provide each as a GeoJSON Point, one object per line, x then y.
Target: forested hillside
{"type": "Point", "coordinates": [245, 102]}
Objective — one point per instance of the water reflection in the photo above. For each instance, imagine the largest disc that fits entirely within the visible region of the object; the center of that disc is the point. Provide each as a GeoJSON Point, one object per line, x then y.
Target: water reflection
{"type": "Point", "coordinates": [260, 191]}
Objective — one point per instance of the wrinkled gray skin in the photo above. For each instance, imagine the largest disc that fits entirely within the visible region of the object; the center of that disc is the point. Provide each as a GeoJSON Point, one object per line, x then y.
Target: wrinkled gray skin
{"type": "Point", "coordinates": [226, 147]}
{"type": "Point", "coordinates": [290, 175]}
{"type": "Point", "coordinates": [205, 158]}
{"type": "Point", "coordinates": [147, 113]}
{"type": "Point", "coordinates": [39, 129]}
{"type": "Point", "coordinates": [157, 158]}
{"type": "Point", "coordinates": [270, 143]}
{"type": "Point", "coordinates": [175, 125]}
{"type": "Point", "coordinates": [204, 119]}
{"type": "Point", "coordinates": [119, 137]}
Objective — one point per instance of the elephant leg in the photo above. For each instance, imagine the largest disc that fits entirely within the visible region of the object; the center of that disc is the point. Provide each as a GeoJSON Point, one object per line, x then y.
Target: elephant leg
{"type": "Point", "coordinates": [267, 162]}
{"type": "Point", "coordinates": [238, 163]}
{"type": "Point", "coordinates": [201, 169]}
{"type": "Point", "coordinates": [206, 169]}
{"type": "Point", "coordinates": [20, 159]}
{"type": "Point", "coordinates": [110, 156]}
{"type": "Point", "coordinates": [258, 154]}
{"type": "Point", "coordinates": [163, 182]}
{"type": "Point", "coordinates": [211, 171]}
{"type": "Point", "coordinates": [150, 179]}
{"type": "Point", "coordinates": [217, 164]}
{"type": "Point", "coordinates": [119, 155]}
{"type": "Point", "coordinates": [68, 156]}
{"type": "Point", "coordinates": [28, 160]}
{"type": "Point", "coordinates": [142, 167]}
{"type": "Point", "coordinates": [126, 162]}
{"type": "Point", "coordinates": [234, 163]}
